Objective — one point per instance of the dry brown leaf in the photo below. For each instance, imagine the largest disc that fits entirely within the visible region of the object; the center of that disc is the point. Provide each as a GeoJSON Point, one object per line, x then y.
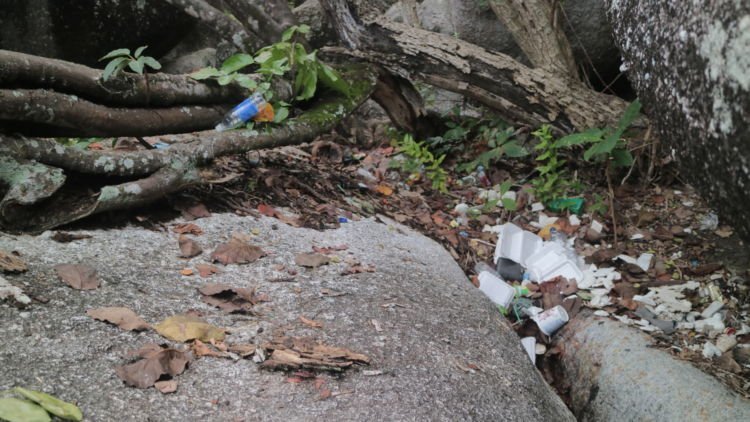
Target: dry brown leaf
{"type": "Point", "coordinates": [237, 252]}
{"type": "Point", "coordinates": [78, 276]}
{"type": "Point", "coordinates": [187, 228]}
{"type": "Point", "coordinates": [150, 368]}
{"type": "Point", "coordinates": [188, 247]}
{"type": "Point", "coordinates": [201, 349]}
{"type": "Point", "coordinates": [186, 272]}
{"type": "Point", "coordinates": [292, 353]}
{"type": "Point", "coordinates": [311, 260]}
{"type": "Point", "coordinates": [231, 299]}
{"type": "Point", "coordinates": [326, 250]}
{"type": "Point", "coordinates": [122, 317]}
{"type": "Point", "coordinates": [724, 232]}
{"type": "Point", "coordinates": [358, 268]}
{"type": "Point", "coordinates": [193, 212]}
{"type": "Point", "coordinates": [205, 270]}
{"type": "Point", "coordinates": [244, 350]}
{"type": "Point", "coordinates": [187, 327]}
{"type": "Point", "coordinates": [64, 237]}
{"type": "Point", "coordinates": [166, 387]}
{"type": "Point", "coordinates": [311, 323]}
{"type": "Point", "coordinates": [384, 190]}
{"type": "Point", "coordinates": [11, 264]}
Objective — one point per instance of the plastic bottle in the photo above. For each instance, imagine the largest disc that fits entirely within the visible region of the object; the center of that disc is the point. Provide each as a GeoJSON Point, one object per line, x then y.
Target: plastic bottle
{"type": "Point", "coordinates": [242, 112]}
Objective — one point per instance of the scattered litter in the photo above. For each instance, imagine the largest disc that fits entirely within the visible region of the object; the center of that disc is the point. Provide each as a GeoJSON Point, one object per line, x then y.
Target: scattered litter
{"type": "Point", "coordinates": [529, 345]}
{"type": "Point", "coordinates": [8, 290]}
{"type": "Point", "coordinates": [537, 206]}
{"type": "Point", "coordinates": [710, 351]}
{"type": "Point", "coordinates": [709, 222]}
{"type": "Point", "coordinates": [551, 320]}
{"type": "Point", "coordinates": [726, 342]}
{"type": "Point", "coordinates": [713, 308]}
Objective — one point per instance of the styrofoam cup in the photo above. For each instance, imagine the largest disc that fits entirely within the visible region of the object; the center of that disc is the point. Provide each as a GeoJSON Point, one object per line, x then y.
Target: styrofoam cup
{"type": "Point", "coordinates": [529, 344]}
{"type": "Point", "coordinates": [549, 262]}
{"type": "Point", "coordinates": [551, 320]}
{"type": "Point", "coordinates": [496, 289]}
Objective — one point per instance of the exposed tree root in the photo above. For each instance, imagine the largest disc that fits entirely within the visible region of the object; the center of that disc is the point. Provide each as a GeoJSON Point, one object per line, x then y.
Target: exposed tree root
{"type": "Point", "coordinates": [152, 173]}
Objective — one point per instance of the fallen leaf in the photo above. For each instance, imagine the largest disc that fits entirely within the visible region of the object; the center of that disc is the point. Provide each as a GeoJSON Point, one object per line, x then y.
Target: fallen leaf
{"type": "Point", "coordinates": [17, 410]}
{"type": "Point", "coordinates": [244, 350]}
{"type": "Point", "coordinates": [187, 327]}
{"type": "Point", "coordinates": [358, 268]}
{"type": "Point", "coordinates": [64, 237]}
{"type": "Point", "coordinates": [78, 276]}
{"type": "Point", "coordinates": [166, 387]}
{"type": "Point", "coordinates": [51, 404]}
{"type": "Point", "coordinates": [187, 228]}
{"type": "Point", "coordinates": [326, 250]}
{"type": "Point", "coordinates": [231, 299]}
{"type": "Point", "coordinates": [193, 212]}
{"type": "Point", "coordinates": [311, 260]}
{"type": "Point", "coordinates": [384, 190]}
{"type": "Point", "coordinates": [150, 368]}
{"type": "Point", "coordinates": [11, 264]}
{"type": "Point", "coordinates": [201, 349]}
{"type": "Point", "coordinates": [724, 232]}
{"type": "Point", "coordinates": [311, 323]}
{"type": "Point", "coordinates": [205, 270]}
{"type": "Point", "coordinates": [237, 252]}
{"type": "Point", "coordinates": [267, 210]}
{"type": "Point", "coordinates": [188, 247]}
{"type": "Point", "coordinates": [289, 353]}
{"type": "Point", "coordinates": [186, 272]}
{"type": "Point", "coordinates": [122, 317]}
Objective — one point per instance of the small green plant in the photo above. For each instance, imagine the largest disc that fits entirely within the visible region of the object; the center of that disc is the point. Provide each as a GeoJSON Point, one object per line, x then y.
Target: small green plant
{"type": "Point", "coordinates": [509, 204]}
{"type": "Point", "coordinates": [77, 143]}
{"type": "Point", "coordinates": [121, 58]}
{"type": "Point", "coordinates": [551, 181]}
{"type": "Point", "coordinates": [497, 135]}
{"type": "Point", "coordinates": [606, 144]}
{"type": "Point", "coordinates": [597, 206]}
{"type": "Point", "coordinates": [418, 159]}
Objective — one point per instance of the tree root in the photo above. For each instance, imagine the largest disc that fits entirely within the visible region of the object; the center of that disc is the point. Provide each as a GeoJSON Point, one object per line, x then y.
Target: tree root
{"type": "Point", "coordinates": [152, 173]}
{"type": "Point", "coordinates": [127, 89]}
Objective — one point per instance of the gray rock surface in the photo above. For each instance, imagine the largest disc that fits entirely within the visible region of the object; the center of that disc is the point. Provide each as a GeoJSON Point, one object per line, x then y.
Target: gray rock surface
{"type": "Point", "coordinates": [433, 324]}
{"type": "Point", "coordinates": [615, 375]}
{"type": "Point", "coordinates": [690, 64]}
{"type": "Point", "coordinates": [473, 21]}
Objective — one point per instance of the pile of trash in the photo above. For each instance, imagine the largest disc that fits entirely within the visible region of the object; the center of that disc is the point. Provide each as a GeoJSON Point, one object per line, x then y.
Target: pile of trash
{"type": "Point", "coordinates": [539, 281]}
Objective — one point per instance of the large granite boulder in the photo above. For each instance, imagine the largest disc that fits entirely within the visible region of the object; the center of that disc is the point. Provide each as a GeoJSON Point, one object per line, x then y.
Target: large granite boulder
{"type": "Point", "coordinates": [439, 349]}
{"type": "Point", "coordinates": [690, 64]}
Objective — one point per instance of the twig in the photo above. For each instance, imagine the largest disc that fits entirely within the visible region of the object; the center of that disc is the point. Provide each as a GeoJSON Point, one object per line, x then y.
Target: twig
{"type": "Point", "coordinates": [611, 203]}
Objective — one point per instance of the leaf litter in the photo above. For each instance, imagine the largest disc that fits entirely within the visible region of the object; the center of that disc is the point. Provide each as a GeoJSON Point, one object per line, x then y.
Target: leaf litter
{"type": "Point", "coordinates": [9, 263]}
{"type": "Point", "coordinates": [237, 252]}
{"type": "Point", "coordinates": [122, 317]}
{"type": "Point", "coordinates": [292, 353]}
{"type": "Point", "coordinates": [231, 299]}
{"type": "Point", "coordinates": [184, 328]}
{"type": "Point", "coordinates": [153, 362]}
{"type": "Point", "coordinates": [78, 276]}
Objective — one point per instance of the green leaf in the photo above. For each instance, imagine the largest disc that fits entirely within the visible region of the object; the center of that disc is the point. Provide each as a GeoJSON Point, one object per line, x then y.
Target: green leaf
{"type": "Point", "coordinates": [139, 51]}
{"type": "Point", "coordinates": [225, 79]}
{"type": "Point", "coordinates": [505, 186]}
{"type": "Point", "coordinates": [306, 83]}
{"type": "Point", "coordinates": [281, 114]}
{"type": "Point", "coordinates": [585, 137]}
{"type": "Point", "coordinates": [602, 148]}
{"type": "Point", "coordinates": [52, 404]}
{"type": "Point", "coordinates": [236, 62]}
{"type": "Point", "coordinates": [332, 80]}
{"type": "Point", "coordinates": [263, 55]}
{"type": "Point", "coordinates": [205, 73]}
{"type": "Point", "coordinates": [514, 150]}
{"type": "Point", "coordinates": [115, 53]}
{"type": "Point", "coordinates": [151, 62]}
{"type": "Point", "coordinates": [509, 204]}
{"type": "Point", "coordinates": [627, 118]}
{"type": "Point", "coordinates": [621, 157]}
{"type": "Point", "coordinates": [136, 65]}
{"type": "Point", "coordinates": [246, 81]}
{"type": "Point", "coordinates": [112, 67]}
{"type": "Point", "coordinates": [17, 410]}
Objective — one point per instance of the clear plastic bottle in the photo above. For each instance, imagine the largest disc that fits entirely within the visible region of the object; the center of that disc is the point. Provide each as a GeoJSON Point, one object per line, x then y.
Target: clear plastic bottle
{"type": "Point", "coordinates": [245, 111]}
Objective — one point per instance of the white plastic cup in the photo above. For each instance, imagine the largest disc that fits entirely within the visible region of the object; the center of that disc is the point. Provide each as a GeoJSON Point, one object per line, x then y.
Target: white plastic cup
{"type": "Point", "coordinates": [551, 320]}
{"type": "Point", "coordinates": [529, 344]}
{"type": "Point", "coordinates": [500, 292]}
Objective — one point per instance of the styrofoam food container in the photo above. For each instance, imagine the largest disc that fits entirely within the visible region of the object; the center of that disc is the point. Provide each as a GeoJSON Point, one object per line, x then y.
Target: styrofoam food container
{"type": "Point", "coordinates": [499, 292]}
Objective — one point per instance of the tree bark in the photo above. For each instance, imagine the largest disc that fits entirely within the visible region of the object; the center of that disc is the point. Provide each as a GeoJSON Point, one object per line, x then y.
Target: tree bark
{"type": "Point", "coordinates": [536, 28]}
{"type": "Point", "coordinates": [530, 96]}
{"type": "Point", "coordinates": [127, 89]}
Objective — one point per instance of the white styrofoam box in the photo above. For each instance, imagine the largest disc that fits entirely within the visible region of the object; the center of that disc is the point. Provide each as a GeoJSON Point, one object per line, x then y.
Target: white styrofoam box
{"type": "Point", "coordinates": [517, 244]}
{"type": "Point", "coordinates": [500, 292]}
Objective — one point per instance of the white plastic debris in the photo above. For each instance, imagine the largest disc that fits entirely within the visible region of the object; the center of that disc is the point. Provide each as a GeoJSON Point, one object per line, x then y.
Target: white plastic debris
{"type": "Point", "coordinates": [709, 350]}
{"type": "Point", "coordinates": [670, 301]}
{"type": "Point", "coordinates": [599, 277]}
{"type": "Point", "coordinates": [517, 244]}
{"type": "Point", "coordinates": [726, 342]}
{"type": "Point", "coordinates": [529, 345]}
{"type": "Point", "coordinates": [715, 324]}
{"type": "Point", "coordinates": [637, 236]}
{"type": "Point", "coordinates": [551, 320]}
{"type": "Point", "coordinates": [596, 226]}
{"type": "Point", "coordinates": [509, 195]}
{"type": "Point", "coordinates": [533, 311]}
{"type": "Point", "coordinates": [644, 300]}
{"type": "Point", "coordinates": [499, 292]}
{"type": "Point", "coordinates": [574, 220]}
{"type": "Point", "coordinates": [713, 308]}
{"type": "Point", "coordinates": [550, 262]}
{"type": "Point", "coordinates": [643, 261]}
{"type": "Point", "coordinates": [537, 206]}
{"type": "Point", "coordinates": [8, 290]}
{"type": "Point", "coordinates": [709, 222]}
{"type": "Point", "coordinates": [601, 313]}
{"type": "Point", "coordinates": [600, 298]}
